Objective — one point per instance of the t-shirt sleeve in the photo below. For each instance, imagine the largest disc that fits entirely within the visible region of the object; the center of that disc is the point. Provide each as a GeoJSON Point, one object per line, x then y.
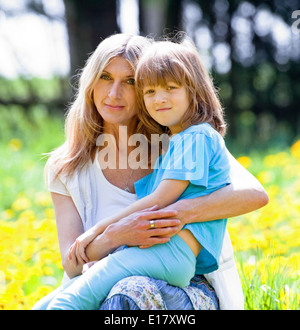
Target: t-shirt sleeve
{"type": "Point", "coordinates": [56, 185]}
{"type": "Point", "coordinates": [188, 159]}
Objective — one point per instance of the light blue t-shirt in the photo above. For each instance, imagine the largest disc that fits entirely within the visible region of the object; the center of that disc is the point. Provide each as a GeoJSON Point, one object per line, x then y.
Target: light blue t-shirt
{"type": "Point", "coordinates": [197, 154]}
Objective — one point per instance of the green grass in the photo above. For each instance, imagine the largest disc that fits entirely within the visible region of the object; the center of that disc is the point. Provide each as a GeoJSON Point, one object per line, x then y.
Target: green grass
{"type": "Point", "coordinates": [24, 138]}
{"type": "Point", "coordinates": [266, 242]}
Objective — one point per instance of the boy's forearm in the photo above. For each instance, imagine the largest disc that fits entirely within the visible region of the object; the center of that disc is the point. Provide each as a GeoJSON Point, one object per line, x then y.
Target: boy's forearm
{"type": "Point", "coordinates": [100, 247]}
{"type": "Point", "coordinates": [139, 205]}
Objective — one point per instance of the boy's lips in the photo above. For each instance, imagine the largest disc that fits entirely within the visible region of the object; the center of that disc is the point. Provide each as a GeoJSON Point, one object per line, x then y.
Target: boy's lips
{"type": "Point", "coordinates": [163, 109]}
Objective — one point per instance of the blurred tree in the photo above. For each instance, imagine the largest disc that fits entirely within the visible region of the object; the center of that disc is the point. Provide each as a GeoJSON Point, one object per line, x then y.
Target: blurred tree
{"type": "Point", "coordinates": [261, 65]}
{"type": "Point", "coordinates": [252, 53]}
{"type": "Point", "coordinates": [88, 23]}
{"type": "Point", "coordinates": [254, 63]}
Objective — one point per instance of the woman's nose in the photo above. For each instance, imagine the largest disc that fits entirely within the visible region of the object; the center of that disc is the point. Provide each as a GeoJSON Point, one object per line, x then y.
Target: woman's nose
{"type": "Point", "coordinates": [115, 90]}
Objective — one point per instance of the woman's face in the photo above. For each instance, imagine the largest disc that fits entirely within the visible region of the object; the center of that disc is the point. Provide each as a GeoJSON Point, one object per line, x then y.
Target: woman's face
{"type": "Point", "coordinates": [114, 94]}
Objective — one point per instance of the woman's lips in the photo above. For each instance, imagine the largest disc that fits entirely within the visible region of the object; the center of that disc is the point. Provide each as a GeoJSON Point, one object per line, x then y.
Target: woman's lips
{"type": "Point", "coordinates": [114, 107]}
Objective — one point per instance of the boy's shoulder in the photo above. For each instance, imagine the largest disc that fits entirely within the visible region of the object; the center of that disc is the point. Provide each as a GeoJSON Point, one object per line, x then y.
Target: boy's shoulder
{"type": "Point", "coordinates": [202, 128]}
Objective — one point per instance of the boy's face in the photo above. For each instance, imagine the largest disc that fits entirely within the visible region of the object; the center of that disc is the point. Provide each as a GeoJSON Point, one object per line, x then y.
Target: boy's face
{"type": "Point", "coordinates": [167, 104]}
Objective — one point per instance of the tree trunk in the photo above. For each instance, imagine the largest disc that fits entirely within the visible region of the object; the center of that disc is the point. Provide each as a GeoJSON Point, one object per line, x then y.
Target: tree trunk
{"type": "Point", "coordinates": [159, 17]}
{"type": "Point", "coordinates": [88, 23]}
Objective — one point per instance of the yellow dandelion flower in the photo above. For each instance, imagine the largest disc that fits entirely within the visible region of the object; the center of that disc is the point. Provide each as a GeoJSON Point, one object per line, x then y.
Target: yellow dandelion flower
{"type": "Point", "coordinates": [2, 282]}
{"type": "Point", "coordinates": [49, 212]}
{"type": "Point", "coordinates": [295, 149]}
{"type": "Point", "coordinates": [48, 271]}
{"type": "Point", "coordinates": [244, 161]}
{"type": "Point", "coordinates": [27, 215]}
{"type": "Point", "coordinates": [43, 199]}
{"type": "Point", "coordinates": [265, 177]}
{"type": "Point", "coordinates": [7, 214]}
{"type": "Point", "coordinates": [21, 203]}
{"type": "Point", "coordinates": [15, 144]}
{"type": "Point", "coordinates": [270, 161]}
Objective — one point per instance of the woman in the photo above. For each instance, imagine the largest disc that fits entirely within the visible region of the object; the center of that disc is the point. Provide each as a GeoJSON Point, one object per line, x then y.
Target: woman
{"type": "Point", "coordinates": [86, 187]}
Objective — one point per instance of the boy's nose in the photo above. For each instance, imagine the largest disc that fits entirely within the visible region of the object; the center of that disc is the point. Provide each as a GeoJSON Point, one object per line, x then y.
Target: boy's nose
{"type": "Point", "coordinates": [160, 98]}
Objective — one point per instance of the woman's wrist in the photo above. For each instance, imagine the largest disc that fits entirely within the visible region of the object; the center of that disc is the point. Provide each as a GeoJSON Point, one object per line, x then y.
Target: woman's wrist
{"type": "Point", "coordinates": [184, 210]}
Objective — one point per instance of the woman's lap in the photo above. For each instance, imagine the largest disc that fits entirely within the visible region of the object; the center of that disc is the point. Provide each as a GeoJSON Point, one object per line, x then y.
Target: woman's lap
{"type": "Point", "coordinates": [144, 293]}
{"type": "Point", "coordinates": [173, 262]}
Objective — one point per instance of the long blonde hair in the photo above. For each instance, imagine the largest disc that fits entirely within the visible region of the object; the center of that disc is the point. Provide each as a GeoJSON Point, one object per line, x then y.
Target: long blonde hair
{"type": "Point", "coordinates": [83, 122]}
{"type": "Point", "coordinates": [179, 62]}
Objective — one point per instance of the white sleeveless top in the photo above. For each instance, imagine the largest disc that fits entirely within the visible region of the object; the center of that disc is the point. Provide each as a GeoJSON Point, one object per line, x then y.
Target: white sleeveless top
{"type": "Point", "coordinates": [96, 198]}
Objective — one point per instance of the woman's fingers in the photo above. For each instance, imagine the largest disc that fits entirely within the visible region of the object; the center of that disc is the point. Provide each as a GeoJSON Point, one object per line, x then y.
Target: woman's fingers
{"type": "Point", "coordinates": [153, 241]}
{"type": "Point", "coordinates": [159, 214]}
{"type": "Point", "coordinates": [162, 223]}
{"type": "Point", "coordinates": [165, 231]}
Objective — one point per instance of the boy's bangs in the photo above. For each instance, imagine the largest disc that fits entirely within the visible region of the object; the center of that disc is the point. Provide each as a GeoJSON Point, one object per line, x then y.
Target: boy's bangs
{"type": "Point", "coordinates": [159, 71]}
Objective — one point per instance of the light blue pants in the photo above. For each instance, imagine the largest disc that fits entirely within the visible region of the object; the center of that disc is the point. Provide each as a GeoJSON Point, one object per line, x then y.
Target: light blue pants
{"type": "Point", "coordinates": [172, 262]}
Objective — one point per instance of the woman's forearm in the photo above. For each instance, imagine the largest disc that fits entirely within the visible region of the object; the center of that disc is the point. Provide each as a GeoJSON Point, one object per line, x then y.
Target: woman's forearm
{"type": "Point", "coordinates": [243, 195]}
{"type": "Point", "coordinates": [226, 202]}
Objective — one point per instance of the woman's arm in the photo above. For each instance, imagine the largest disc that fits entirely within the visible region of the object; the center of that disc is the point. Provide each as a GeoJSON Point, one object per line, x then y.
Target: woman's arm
{"type": "Point", "coordinates": [243, 195]}
{"type": "Point", "coordinates": [69, 227]}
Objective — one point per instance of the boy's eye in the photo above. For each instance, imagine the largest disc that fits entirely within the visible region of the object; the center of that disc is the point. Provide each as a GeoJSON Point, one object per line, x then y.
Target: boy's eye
{"type": "Point", "coordinates": [148, 91]}
{"type": "Point", "coordinates": [170, 87]}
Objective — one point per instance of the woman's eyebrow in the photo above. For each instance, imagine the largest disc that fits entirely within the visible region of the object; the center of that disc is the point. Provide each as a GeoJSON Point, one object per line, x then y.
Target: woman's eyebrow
{"type": "Point", "coordinates": [131, 75]}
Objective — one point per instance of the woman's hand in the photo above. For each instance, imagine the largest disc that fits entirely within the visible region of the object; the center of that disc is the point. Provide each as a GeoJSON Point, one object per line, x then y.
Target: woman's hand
{"type": "Point", "coordinates": [135, 230]}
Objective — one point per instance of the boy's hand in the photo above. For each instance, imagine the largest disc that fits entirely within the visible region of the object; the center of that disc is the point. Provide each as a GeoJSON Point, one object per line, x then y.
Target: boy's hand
{"type": "Point", "coordinates": [77, 249]}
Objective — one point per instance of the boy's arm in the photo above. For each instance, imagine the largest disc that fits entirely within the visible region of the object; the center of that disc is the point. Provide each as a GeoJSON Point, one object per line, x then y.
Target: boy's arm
{"type": "Point", "coordinates": [167, 192]}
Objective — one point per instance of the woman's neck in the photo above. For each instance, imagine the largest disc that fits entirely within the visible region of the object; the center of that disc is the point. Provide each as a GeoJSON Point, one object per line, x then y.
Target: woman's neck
{"type": "Point", "coordinates": [121, 131]}
{"type": "Point", "coordinates": [119, 136]}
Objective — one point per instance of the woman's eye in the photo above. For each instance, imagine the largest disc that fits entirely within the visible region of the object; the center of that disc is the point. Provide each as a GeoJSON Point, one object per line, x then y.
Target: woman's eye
{"type": "Point", "coordinates": [131, 81]}
{"type": "Point", "coordinates": [171, 87]}
{"type": "Point", "coordinates": [105, 76]}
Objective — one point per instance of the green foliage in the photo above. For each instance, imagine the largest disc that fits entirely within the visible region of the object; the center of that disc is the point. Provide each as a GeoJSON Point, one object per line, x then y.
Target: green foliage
{"type": "Point", "coordinates": [26, 92]}
{"type": "Point", "coordinates": [25, 136]}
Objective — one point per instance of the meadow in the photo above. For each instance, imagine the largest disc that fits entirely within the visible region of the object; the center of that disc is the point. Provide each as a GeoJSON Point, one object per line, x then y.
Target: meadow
{"type": "Point", "coordinates": [266, 242]}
